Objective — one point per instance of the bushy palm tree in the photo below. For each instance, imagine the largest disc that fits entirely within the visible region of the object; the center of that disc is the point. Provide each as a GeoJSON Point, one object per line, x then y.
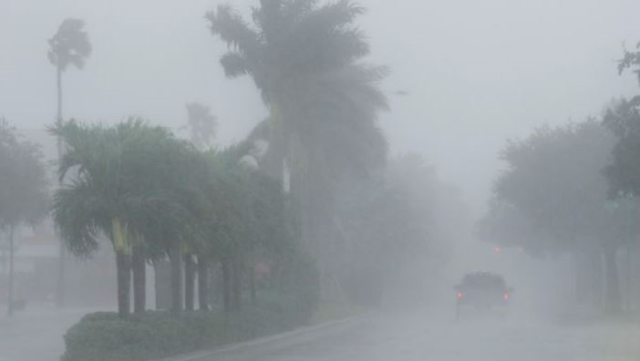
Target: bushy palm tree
{"type": "Point", "coordinates": [126, 183]}
{"type": "Point", "coordinates": [246, 218]}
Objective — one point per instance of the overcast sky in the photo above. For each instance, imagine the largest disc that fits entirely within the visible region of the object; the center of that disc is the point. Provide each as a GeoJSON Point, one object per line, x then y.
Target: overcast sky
{"type": "Point", "coordinates": [476, 72]}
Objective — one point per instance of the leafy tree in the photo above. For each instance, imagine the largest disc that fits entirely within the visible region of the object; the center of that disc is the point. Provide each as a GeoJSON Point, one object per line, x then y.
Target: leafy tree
{"type": "Point", "coordinates": [555, 188]}
{"type": "Point", "coordinates": [23, 189]}
{"type": "Point", "coordinates": [623, 174]}
{"type": "Point", "coordinates": [623, 119]}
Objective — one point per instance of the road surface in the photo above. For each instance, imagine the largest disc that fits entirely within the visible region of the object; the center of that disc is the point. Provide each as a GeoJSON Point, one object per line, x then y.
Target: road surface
{"type": "Point", "coordinates": [37, 336]}
{"type": "Point", "coordinates": [409, 336]}
{"type": "Point", "coordinates": [36, 333]}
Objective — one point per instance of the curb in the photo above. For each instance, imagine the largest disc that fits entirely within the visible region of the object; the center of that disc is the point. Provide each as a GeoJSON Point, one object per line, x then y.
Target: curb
{"type": "Point", "coordinates": [195, 356]}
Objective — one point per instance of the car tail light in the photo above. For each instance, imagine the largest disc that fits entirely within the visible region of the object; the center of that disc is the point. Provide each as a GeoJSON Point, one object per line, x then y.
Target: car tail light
{"type": "Point", "coordinates": [459, 295]}
{"type": "Point", "coordinates": [506, 296]}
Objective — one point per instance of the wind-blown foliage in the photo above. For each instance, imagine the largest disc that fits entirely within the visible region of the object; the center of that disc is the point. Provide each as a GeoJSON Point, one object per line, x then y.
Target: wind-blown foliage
{"type": "Point", "coordinates": [305, 58]}
{"type": "Point", "coordinates": [133, 183]}
{"type": "Point", "coordinates": [70, 45]}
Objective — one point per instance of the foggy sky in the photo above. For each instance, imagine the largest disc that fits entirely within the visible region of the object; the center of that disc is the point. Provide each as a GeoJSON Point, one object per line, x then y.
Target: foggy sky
{"type": "Point", "coordinates": [476, 72]}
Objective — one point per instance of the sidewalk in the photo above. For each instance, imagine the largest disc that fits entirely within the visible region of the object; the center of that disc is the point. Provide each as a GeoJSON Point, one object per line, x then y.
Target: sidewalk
{"type": "Point", "coordinates": [36, 333]}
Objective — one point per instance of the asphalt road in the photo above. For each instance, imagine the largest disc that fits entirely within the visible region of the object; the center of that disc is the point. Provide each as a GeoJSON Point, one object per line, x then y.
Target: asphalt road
{"type": "Point", "coordinates": [410, 335]}
{"type": "Point", "coordinates": [414, 336]}
{"type": "Point", "coordinates": [36, 334]}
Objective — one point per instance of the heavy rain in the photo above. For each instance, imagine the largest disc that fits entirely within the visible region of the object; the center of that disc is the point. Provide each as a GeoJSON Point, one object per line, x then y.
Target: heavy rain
{"type": "Point", "coordinates": [319, 180]}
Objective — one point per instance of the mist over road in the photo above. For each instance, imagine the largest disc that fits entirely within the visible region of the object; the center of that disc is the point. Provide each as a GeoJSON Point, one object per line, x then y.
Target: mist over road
{"type": "Point", "coordinates": [416, 335]}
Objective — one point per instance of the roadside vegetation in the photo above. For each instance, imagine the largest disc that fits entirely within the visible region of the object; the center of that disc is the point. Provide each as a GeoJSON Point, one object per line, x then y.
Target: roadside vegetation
{"type": "Point", "coordinates": [573, 190]}
{"type": "Point", "coordinates": [291, 226]}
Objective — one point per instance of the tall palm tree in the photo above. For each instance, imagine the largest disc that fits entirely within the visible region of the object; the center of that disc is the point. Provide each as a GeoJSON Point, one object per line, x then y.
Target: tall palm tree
{"type": "Point", "coordinates": [69, 46]}
{"type": "Point", "coordinates": [305, 59]}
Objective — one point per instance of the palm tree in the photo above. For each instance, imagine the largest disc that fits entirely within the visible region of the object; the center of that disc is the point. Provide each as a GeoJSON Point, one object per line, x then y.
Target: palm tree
{"type": "Point", "coordinates": [88, 207]}
{"type": "Point", "coordinates": [305, 60]}
{"type": "Point", "coordinates": [122, 189]}
{"type": "Point", "coordinates": [69, 46]}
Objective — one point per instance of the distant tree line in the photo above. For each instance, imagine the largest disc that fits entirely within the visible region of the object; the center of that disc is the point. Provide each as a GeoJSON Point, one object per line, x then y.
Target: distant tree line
{"type": "Point", "coordinates": [574, 189]}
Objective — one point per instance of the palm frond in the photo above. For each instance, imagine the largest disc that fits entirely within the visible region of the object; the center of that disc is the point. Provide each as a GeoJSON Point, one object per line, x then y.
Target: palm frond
{"type": "Point", "coordinates": [294, 10]}
{"type": "Point", "coordinates": [80, 215]}
{"type": "Point", "coordinates": [235, 64]}
{"type": "Point", "coordinates": [229, 25]}
{"type": "Point", "coordinates": [268, 18]}
{"type": "Point", "coordinates": [336, 15]}
{"type": "Point", "coordinates": [70, 45]}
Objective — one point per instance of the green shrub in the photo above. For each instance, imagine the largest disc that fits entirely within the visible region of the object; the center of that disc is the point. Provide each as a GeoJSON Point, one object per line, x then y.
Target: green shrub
{"type": "Point", "coordinates": [104, 336]}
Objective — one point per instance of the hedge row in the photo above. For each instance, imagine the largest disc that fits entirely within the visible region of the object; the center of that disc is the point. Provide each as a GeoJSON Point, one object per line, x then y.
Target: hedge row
{"type": "Point", "coordinates": [103, 336]}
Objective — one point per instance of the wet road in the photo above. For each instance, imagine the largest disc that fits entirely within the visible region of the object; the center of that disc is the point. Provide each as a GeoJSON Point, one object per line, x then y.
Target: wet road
{"type": "Point", "coordinates": [410, 336]}
{"type": "Point", "coordinates": [37, 336]}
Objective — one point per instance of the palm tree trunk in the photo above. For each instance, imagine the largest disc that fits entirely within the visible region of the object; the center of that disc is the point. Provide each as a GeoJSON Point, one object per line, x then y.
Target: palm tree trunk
{"type": "Point", "coordinates": [176, 279]}
{"type": "Point", "coordinates": [139, 280]}
{"type": "Point", "coordinates": [613, 300]}
{"type": "Point", "coordinates": [252, 285]}
{"type": "Point", "coordinates": [189, 282]}
{"type": "Point", "coordinates": [123, 265]}
{"type": "Point", "coordinates": [59, 91]}
{"type": "Point", "coordinates": [10, 301]}
{"type": "Point", "coordinates": [226, 285]}
{"type": "Point", "coordinates": [203, 283]}
{"type": "Point", "coordinates": [61, 251]}
{"type": "Point", "coordinates": [236, 271]}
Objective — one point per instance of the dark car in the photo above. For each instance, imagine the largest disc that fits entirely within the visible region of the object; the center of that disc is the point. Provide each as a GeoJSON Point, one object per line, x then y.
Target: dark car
{"type": "Point", "coordinates": [482, 293]}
